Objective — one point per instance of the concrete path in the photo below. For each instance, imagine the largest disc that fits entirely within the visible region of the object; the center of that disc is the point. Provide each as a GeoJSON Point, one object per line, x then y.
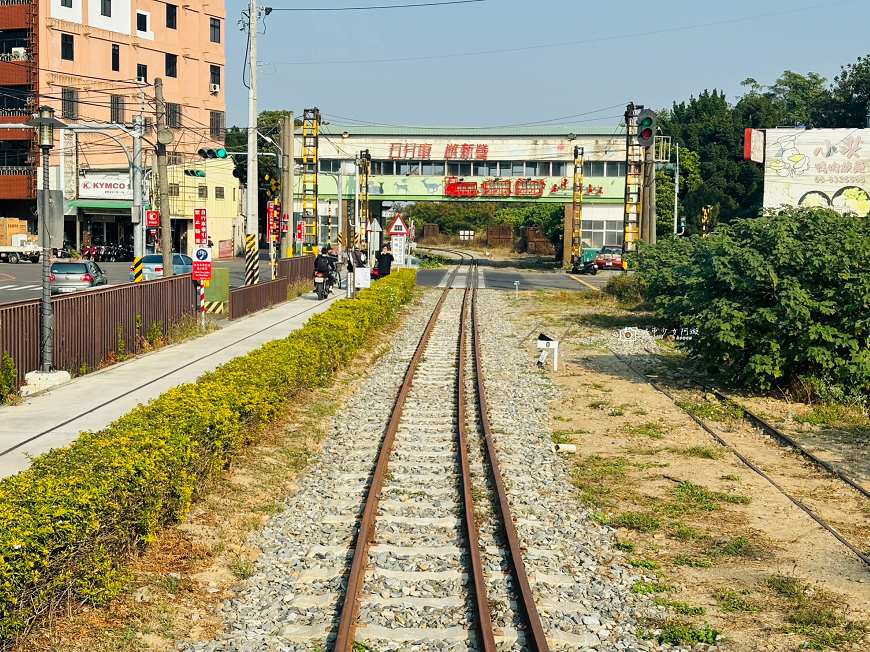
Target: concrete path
{"type": "Point", "coordinates": [55, 418]}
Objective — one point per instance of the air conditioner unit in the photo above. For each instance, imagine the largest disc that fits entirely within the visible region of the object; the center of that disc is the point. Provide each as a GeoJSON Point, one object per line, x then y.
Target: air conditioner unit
{"type": "Point", "coordinates": [19, 54]}
{"type": "Point", "coordinates": [214, 89]}
{"type": "Point", "coordinates": [141, 80]}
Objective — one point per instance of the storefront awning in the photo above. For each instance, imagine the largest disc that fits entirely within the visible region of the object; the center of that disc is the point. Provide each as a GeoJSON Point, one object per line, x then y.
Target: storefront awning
{"type": "Point", "coordinates": [100, 203]}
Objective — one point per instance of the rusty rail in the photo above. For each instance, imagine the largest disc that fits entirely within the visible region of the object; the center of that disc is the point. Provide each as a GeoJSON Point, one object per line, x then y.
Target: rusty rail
{"type": "Point", "coordinates": [356, 578]}
{"type": "Point", "coordinates": [89, 327]}
{"type": "Point", "coordinates": [536, 639]}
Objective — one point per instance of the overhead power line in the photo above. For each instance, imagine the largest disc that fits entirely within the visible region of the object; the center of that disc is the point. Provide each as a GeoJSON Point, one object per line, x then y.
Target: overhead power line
{"type": "Point", "coordinates": [405, 6]}
{"type": "Point", "coordinates": [667, 30]}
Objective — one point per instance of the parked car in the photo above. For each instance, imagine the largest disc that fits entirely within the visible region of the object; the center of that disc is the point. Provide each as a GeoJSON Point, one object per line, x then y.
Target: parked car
{"type": "Point", "coordinates": [152, 266]}
{"type": "Point", "coordinates": [75, 277]}
{"type": "Point", "coordinates": [610, 257]}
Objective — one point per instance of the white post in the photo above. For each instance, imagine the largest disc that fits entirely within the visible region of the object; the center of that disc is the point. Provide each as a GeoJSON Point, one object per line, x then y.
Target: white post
{"type": "Point", "coordinates": [251, 221]}
{"type": "Point", "coordinates": [677, 190]}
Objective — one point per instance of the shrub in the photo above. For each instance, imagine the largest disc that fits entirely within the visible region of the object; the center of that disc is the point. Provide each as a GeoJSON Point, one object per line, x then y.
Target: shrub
{"type": "Point", "coordinates": [68, 522]}
{"type": "Point", "coordinates": [8, 373]}
{"type": "Point", "coordinates": [629, 289]}
{"type": "Point", "coordinates": [778, 300]}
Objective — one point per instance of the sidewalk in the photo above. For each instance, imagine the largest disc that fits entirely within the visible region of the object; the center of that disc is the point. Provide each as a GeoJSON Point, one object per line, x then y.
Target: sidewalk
{"type": "Point", "coordinates": [91, 402]}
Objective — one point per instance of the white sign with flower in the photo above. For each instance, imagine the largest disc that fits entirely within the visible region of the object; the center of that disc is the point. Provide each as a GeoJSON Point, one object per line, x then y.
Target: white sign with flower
{"type": "Point", "coordinates": [818, 167]}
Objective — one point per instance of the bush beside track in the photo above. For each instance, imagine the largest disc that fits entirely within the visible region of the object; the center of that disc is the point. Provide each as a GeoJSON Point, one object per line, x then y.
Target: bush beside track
{"type": "Point", "coordinates": [68, 522]}
{"type": "Point", "coordinates": [781, 300]}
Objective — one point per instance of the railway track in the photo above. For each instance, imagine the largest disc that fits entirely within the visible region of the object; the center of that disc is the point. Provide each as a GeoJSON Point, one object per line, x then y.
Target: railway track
{"type": "Point", "coordinates": [419, 542]}
{"type": "Point", "coordinates": [758, 423]}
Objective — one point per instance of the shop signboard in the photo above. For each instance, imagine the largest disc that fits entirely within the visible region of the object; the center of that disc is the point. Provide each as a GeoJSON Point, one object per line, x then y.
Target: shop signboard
{"type": "Point", "coordinates": [106, 185]}
{"type": "Point", "coordinates": [152, 218]}
{"type": "Point", "coordinates": [825, 168]}
{"type": "Point", "coordinates": [202, 264]}
{"type": "Point", "coordinates": [200, 226]}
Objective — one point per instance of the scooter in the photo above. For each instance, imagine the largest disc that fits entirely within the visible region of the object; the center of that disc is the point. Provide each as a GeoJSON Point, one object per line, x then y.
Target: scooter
{"type": "Point", "coordinates": [590, 267]}
{"type": "Point", "coordinates": [322, 285]}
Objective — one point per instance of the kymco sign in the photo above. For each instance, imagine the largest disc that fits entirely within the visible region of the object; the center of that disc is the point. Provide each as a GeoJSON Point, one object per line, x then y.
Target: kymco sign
{"type": "Point", "coordinates": [105, 188]}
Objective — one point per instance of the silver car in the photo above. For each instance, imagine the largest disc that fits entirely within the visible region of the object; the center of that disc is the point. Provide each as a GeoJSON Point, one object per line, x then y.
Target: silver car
{"type": "Point", "coordinates": [76, 276]}
{"type": "Point", "coordinates": [152, 266]}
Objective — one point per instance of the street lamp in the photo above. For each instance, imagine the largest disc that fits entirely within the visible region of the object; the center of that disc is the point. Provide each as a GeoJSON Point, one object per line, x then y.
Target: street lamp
{"type": "Point", "coordinates": [45, 125]}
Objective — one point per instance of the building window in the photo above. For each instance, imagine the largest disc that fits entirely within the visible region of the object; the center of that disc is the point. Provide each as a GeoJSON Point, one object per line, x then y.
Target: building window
{"type": "Point", "coordinates": [116, 109]}
{"type": "Point", "coordinates": [202, 192]}
{"type": "Point", "coordinates": [215, 30]}
{"type": "Point", "coordinates": [217, 124]}
{"type": "Point", "coordinates": [106, 8]}
{"type": "Point", "coordinates": [142, 73]}
{"type": "Point", "coordinates": [66, 47]}
{"type": "Point", "coordinates": [116, 57]}
{"type": "Point", "coordinates": [219, 192]}
{"type": "Point", "coordinates": [66, 3]}
{"type": "Point", "coordinates": [171, 17]}
{"type": "Point", "coordinates": [69, 102]}
{"type": "Point", "coordinates": [615, 169]}
{"type": "Point", "coordinates": [174, 158]}
{"type": "Point", "coordinates": [149, 124]}
{"type": "Point", "coordinates": [141, 22]}
{"type": "Point", "coordinates": [14, 98]}
{"type": "Point", "coordinates": [173, 115]}
{"type": "Point", "coordinates": [557, 169]}
{"type": "Point", "coordinates": [215, 75]}
{"type": "Point", "coordinates": [171, 65]}
{"type": "Point", "coordinates": [174, 190]}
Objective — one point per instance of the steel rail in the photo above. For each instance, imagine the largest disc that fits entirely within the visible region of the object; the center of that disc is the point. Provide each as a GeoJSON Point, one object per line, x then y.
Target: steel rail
{"type": "Point", "coordinates": [486, 634]}
{"type": "Point", "coordinates": [818, 519]}
{"type": "Point", "coordinates": [776, 433]}
{"type": "Point", "coordinates": [344, 641]}
{"type": "Point", "coordinates": [536, 639]}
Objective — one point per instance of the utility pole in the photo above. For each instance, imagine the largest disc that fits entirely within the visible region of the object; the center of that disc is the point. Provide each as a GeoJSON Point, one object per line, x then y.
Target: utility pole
{"type": "Point", "coordinates": [164, 137]}
{"type": "Point", "coordinates": [677, 191]}
{"type": "Point", "coordinates": [288, 171]}
{"type": "Point", "coordinates": [252, 250]}
{"type": "Point", "coordinates": [138, 174]}
{"type": "Point", "coordinates": [651, 196]}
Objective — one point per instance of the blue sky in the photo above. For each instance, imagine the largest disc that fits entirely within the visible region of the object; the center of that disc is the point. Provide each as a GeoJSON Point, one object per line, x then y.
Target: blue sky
{"type": "Point", "coordinates": [534, 84]}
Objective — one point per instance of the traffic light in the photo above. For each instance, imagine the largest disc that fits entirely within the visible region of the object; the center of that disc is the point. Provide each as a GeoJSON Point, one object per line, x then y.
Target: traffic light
{"type": "Point", "coordinates": [646, 128]}
{"type": "Point", "coordinates": [213, 153]}
{"type": "Point", "coordinates": [195, 173]}
{"type": "Point", "coordinates": [240, 173]}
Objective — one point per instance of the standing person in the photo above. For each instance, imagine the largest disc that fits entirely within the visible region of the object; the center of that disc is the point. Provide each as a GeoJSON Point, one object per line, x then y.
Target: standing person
{"type": "Point", "coordinates": [385, 261]}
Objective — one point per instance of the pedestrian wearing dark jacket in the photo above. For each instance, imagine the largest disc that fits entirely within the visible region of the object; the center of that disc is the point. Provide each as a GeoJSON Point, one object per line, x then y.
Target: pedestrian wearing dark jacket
{"type": "Point", "coordinates": [385, 261]}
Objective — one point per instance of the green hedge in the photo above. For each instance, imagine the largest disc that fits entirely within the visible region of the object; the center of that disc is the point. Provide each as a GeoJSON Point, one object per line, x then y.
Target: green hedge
{"type": "Point", "coordinates": [781, 300]}
{"type": "Point", "coordinates": [69, 521]}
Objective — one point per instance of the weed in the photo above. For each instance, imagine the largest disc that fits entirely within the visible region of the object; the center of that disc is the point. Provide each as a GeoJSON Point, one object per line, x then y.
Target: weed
{"type": "Point", "coordinates": [680, 608]}
{"type": "Point", "coordinates": [270, 508]}
{"type": "Point", "coordinates": [558, 418]}
{"type": "Point", "coordinates": [602, 388]}
{"type": "Point", "coordinates": [788, 587]}
{"type": "Point", "coordinates": [122, 347]}
{"type": "Point", "coordinates": [644, 563]}
{"type": "Point", "coordinates": [638, 522]}
{"type": "Point", "coordinates": [712, 410]}
{"type": "Point", "coordinates": [242, 567]}
{"type": "Point", "coordinates": [731, 477]}
{"type": "Point", "coordinates": [675, 632]}
{"type": "Point", "coordinates": [640, 412]}
{"type": "Point", "coordinates": [808, 615]}
{"type": "Point", "coordinates": [616, 412]}
{"type": "Point", "coordinates": [692, 498]}
{"type": "Point", "coordinates": [683, 532]}
{"type": "Point", "coordinates": [155, 333]}
{"type": "Point", "coordinates": [592, 474]}
{"type": "Point", "coordinates": [649, 429]}
{"type": "Point", "coordinates": [645, 588]}
{"type": "Point", "coordinates": [738, 547]}
{"type": "Point", "coordinates": [728, 600]}
{"type": "Point", "coordinates": [704, 452]}
{"type": "Point", "coordinates": [682, 560]}
{"type": "Point", "coordinates": [599, 518]}
{"type": "Point", "coordinates": [597, 405]}
{"type": "Point", "coordinates": [625, 546]}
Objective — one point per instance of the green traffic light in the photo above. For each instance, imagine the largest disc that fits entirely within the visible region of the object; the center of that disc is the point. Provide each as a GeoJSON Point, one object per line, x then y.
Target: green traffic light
{"type": "Point", "coordinates": [646, 122]}
{"type": "Point", "coordinates": [221, 153]}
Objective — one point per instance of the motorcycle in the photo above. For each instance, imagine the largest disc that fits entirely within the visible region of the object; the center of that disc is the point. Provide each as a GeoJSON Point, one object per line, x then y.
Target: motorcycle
{"type": "Point", "coordinates": [322, 284]}
{"type": "Point", "coordinates": [590, 267]}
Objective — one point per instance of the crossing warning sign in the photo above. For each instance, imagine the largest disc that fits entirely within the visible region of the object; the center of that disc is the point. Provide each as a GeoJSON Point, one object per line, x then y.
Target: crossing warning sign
{"type": "Point", "coordinates": [398, 227]}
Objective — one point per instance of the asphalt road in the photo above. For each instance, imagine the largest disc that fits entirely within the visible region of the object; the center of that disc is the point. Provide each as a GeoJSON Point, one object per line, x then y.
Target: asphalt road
{"type": "Point", "coordinates": [23, 281]}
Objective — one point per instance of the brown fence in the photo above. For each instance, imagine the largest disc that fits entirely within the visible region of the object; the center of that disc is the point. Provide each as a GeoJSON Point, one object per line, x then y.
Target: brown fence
{"type": "Point", "coordinates": [499, 235]}
{"type": "Point", "coordinates": [251, 298]}
{"type": "Point", "coordinates": [88, 326]}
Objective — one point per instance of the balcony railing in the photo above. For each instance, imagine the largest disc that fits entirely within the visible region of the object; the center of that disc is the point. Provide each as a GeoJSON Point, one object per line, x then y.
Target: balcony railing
{"type": "Point", "coordinates": [15, 170]}
{"type": "Point", "coordinates": [15, 2]}
{"type": "Point", "coordinates": [7, 113]}
{"type": "Point", "coordinates": [14, 56]}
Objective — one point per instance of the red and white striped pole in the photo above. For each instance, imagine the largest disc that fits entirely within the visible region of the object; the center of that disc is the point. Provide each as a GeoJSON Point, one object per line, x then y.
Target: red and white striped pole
{"type": "Point", "coordinates": [202, 301]}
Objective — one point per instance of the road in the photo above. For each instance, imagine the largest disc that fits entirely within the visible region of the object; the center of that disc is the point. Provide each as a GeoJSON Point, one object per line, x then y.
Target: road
{"type": "Point", "coordinates": [23, 281]}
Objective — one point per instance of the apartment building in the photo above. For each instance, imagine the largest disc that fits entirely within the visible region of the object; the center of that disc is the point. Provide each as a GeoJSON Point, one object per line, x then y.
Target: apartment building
{"type": "Point", "coordinates": [96, 61]}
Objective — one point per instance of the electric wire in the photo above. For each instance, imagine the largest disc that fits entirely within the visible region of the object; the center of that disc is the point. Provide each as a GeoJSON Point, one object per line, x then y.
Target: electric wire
{"type": "Point", "coordinates": [542, 46]}
{"type": "Point", "coordinates": [405, 6]}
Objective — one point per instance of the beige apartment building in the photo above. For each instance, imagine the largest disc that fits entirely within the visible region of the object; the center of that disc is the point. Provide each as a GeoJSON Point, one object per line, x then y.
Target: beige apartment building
{"type": "Point", "coordinates": [96, 61]}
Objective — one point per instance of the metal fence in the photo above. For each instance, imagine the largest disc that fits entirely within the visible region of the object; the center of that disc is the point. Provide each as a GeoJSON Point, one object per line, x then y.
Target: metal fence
{"type": "Point", "coordinates": [295, 269]}
{"type": "Point", "coordinates": [89, 327]}
{"type": "Point", "coordinates": [251, 298]}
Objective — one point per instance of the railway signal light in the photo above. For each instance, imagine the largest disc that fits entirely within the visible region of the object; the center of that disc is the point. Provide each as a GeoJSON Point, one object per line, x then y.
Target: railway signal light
{"type": "Point", "coordinates": [195, 173]}
{"type": "Point", "coordinates": [212, 153]}
{"type": "Point", "coordinates": [646, 128]}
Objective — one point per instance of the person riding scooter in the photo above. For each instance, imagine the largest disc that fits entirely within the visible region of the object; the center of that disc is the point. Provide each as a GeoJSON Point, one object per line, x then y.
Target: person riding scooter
{"type": "Point", "coordinates": [326, 266]}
